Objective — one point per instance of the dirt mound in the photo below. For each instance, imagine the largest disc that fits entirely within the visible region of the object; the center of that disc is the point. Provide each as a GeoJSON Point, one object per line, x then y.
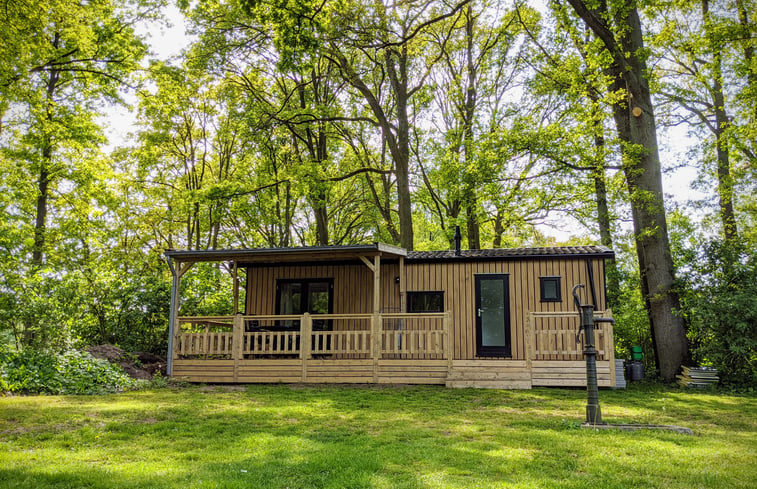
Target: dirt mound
{"type": "Point", "coordinates": [139, 365]}
{"type": "Point", "coordinates": [106, 352]}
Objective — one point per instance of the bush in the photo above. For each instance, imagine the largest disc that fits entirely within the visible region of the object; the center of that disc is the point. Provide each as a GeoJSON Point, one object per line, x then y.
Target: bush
{"type": "Point", "coordinates": [722, 312]}
{"type": "Point", "coordinates": [35, 372]}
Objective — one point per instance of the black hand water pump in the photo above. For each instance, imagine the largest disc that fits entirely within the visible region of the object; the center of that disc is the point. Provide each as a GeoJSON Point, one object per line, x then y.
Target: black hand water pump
{"type": "Point", "coordinates": [586, 314]}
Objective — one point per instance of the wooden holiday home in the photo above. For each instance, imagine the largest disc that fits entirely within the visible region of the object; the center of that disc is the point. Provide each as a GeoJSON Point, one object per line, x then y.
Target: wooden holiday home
{"type": "Point", "coordinates": [499, 318]}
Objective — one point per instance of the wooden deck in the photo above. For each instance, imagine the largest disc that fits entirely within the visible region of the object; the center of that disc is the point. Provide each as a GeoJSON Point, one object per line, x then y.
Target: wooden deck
{"type": "Point", "coordinates": [379, 348]}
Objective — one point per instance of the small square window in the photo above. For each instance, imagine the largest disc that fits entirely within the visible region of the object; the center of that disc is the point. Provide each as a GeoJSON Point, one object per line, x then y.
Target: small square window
{"type": "Point", "coordinates": [425, 301]}
{"type": "Point", "coordinates": [550, 289]}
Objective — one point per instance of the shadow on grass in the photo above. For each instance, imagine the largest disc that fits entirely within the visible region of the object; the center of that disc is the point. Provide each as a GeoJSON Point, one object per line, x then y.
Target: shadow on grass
{"type": "Point", "coordinates": [303, 437]}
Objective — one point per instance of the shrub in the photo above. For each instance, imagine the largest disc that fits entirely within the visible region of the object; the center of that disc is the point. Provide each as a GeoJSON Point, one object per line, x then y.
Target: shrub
{"type": "Point", "coordinates": [722, 312]}
{"type": "Point", "coordinates": [35, 372]}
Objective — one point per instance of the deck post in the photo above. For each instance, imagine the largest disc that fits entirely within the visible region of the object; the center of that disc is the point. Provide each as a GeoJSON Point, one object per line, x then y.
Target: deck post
{"type": "Point", "coordinates": [235, 292]}
{"type": "Point", "coordinates": [609, 347]}
{"type": "Point", "coordinates": [530, 338]}
{"type": "Point", "coordinates": [236, 343]}
{"type": "Point", "coordinates": [447, 327]}
{"type": "Point", "coordinates": [375, 343]}
{"type": "Point", "coordinates": [174, 329]}
{"type": "Point", "coordinates": [376, 325]}
{"type": "Point", "coordinates": [403, 286]}
{"type": "Point", "coordinates": [306, 343]}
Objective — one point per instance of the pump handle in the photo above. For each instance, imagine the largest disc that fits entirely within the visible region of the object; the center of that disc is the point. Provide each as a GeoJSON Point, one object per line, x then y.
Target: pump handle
{"type": "Point", "coordinates": [575, 295]}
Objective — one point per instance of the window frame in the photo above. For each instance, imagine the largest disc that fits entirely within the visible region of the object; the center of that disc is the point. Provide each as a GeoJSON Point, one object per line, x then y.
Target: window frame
{"type": "Point", "coordinates": [557, 280]}
{"type": "Point", "coordinates": [410, 294]}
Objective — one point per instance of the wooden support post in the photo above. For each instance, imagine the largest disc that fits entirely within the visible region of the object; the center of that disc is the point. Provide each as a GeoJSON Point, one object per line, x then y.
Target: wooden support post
{"type": "Point", "coordinates": [530, 338]}
{"type": "Point", "coordinates": [236, 343]}
{"type": "Point", "coordinates": [447, 342]}
{"type": "Point", "coordinates": [306, 333]}
{"type": "Point", "coordinates": [376, 344]}
{"type": "Point", "coordinates": [376, 327]}
{"type": "Point", "coordinates": [403, 285]}
{"type": "Point", "coordinates": [174, 326]}
{"type": "Point", "coordinates": [235, 273]}
{"type": "Point", "coordinates": [610, 347]}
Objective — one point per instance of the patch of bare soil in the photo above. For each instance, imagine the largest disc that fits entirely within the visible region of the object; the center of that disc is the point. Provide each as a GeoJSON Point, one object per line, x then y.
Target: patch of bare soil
{"type": "Point", "coordinates": [139, 365]}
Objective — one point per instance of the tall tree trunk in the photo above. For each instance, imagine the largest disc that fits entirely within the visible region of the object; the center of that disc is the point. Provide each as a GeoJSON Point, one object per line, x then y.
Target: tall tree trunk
{"type": "Point", "coordinates": [398, 144]}
{"type": "Point", "coordinates": [43, 179]}
{"type": "Point", "coordinates": [636, 125]}
{"type": "Point", "coordinates": [603, 209]}
{"type": "Point", "coordinates": [746, 42]}
{"type": "Point", "coordinates": [469, 190]}
{"type": "Point", "coordinates": [722, 121]}
{"type": "Point", "coordinates": [399, 77]}
{"type": "Point", "coordinates": [603, 221]}
{"type": "Point", "coordinates": [40, 222]}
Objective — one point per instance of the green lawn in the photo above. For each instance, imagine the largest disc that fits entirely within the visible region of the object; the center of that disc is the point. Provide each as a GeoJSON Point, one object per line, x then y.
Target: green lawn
{"type": "Point", "coordinates": [281, 436]}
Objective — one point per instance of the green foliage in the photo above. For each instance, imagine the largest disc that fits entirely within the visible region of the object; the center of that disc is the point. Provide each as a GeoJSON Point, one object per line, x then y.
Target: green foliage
{"type": "Point", "coordinates": [722, 311]}
{"type": "Point", "coordinates": [33, 371]}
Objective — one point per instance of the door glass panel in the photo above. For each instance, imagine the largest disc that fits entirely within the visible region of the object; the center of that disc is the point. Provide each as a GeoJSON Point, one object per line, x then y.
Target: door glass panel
{"type": "Point", "coordinates": [493, 313]}
{"type": "Point", "coordinates": [318, 298]}
{"type": "Point", "coordinates": [290, 298]}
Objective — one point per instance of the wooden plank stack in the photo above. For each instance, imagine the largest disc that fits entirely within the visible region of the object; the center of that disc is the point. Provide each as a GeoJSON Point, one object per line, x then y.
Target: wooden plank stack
{"type": "Point", "coordinates": [620, 377]}
{"type": "Point", "coordinates": [699, 377]}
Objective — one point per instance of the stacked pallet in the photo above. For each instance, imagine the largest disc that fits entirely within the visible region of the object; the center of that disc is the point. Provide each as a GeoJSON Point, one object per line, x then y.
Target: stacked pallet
{"type": "Point", "coordinates": [620, 377]}
{"type": "Point", "coordinates": [698, 377]}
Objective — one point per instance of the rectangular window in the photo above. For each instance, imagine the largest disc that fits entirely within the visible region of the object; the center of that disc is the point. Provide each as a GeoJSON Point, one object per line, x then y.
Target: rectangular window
{"type": "Point", "coordinates": [550, 289]}
{"type": "Point", "coordinates": [425, 301]}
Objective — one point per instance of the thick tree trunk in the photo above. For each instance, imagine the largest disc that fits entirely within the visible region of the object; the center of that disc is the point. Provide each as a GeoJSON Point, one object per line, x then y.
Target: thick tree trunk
{"type": "Point", "coordinates": [636, 125]}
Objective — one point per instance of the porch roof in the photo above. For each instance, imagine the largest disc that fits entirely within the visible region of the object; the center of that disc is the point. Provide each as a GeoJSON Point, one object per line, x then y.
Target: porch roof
{"type": "Point", "coordinates": [304, 254]}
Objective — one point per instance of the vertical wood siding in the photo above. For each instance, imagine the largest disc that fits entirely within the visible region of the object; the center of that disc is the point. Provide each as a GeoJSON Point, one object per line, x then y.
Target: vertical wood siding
{"type": "Point", "coordinates": [353, 292]}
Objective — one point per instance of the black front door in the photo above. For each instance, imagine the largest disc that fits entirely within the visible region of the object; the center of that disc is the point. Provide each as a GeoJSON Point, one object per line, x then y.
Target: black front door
{"type": "Point", "coordinates": [493, 315]}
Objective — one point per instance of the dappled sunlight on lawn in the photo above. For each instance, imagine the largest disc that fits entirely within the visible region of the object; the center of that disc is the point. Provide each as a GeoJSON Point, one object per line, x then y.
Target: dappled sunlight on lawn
{"type": "Point", "coordinates": [280, 436]}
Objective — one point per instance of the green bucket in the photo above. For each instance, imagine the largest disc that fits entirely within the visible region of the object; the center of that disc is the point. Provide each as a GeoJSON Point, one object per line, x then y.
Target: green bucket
{"type": "Point", "coordinates": [637, 353]}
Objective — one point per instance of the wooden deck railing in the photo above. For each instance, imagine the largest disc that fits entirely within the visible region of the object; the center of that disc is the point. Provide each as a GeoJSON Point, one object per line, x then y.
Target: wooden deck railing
{"type": "Point", "coordinates": [351, 335]}
{"type": "Point", "coordinates": [554, 336]}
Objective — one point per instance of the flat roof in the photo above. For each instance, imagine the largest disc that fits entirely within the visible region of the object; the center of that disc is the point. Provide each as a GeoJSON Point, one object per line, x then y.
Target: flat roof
{"type": "Point", "coordinates": [306, 254]}
{"type": "Point", "coordinates": [289, 255]}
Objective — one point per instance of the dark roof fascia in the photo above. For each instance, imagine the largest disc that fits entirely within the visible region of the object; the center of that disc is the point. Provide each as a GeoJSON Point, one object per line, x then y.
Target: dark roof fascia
{"type": "Point", "coordinates": [515, 255]}
{"type": "Point", "coordinates": [286, 255]}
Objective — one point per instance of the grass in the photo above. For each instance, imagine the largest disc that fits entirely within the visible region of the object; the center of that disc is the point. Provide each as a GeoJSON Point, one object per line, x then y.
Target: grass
{"type": "Point", "coordinates": [279, 436]}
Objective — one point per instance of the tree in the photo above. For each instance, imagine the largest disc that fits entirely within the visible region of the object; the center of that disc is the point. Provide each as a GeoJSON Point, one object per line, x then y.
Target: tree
{"type": "Point", "coordinates": [618, 26]}
{"type": "Point", "coordinates": [699, 76]}
{"type": "Point", "coordinates": [477, 67]}
{"type": "Point", "coordinates": [378, 50]}
{"type": "Point", "coordinates": [78, 55]}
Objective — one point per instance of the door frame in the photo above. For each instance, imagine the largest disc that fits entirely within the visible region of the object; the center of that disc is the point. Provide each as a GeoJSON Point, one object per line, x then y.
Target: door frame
{"type": "Point", "coordinates": [492, 351]}
{"type": "Point", "coordinates": [320, 324]}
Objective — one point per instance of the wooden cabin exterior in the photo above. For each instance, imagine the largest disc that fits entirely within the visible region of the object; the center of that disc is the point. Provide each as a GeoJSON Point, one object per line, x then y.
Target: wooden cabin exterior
{"type": "Point", "coordinates": [502, 318]}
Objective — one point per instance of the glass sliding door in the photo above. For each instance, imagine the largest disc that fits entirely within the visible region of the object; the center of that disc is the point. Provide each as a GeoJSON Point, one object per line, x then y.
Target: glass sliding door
{"type": "Point", "coordinates": [298, 296]}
